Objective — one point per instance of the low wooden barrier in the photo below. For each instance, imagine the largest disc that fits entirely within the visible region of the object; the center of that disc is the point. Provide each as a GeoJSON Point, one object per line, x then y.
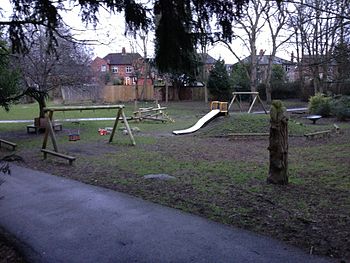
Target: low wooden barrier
{"type": "Point", "coordinates": [11, 144]}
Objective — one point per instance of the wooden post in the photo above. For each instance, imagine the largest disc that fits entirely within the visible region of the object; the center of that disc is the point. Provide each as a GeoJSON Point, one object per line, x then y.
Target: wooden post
{"type": "Point", "coordinates": [115, 125]}
{"type": "Point", "coordinates": [128, 128]}
{"type": "Point", "coordinates": [49, 130]}
{"type": "Point", "coordinates": [166, 91]}
{"type": "Point", "coordinates": [278, 146]}
{"type": "Point", "coordinates": [251, 105]}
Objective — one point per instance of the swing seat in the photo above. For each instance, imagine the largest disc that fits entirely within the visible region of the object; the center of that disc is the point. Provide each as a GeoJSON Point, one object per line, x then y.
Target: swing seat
{"type": "Point", "coordinates": [74, 137]}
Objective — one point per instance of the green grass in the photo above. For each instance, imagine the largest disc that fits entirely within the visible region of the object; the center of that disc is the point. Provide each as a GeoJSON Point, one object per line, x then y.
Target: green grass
{"type": "Point", "coordinates": [257, 123]}
{"type": "Point", "coordinates": [231, 191]}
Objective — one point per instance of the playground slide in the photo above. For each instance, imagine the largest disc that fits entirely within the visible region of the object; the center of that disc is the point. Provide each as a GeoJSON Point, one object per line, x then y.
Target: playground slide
{"type": "Point", "coordinates": [206, 118]}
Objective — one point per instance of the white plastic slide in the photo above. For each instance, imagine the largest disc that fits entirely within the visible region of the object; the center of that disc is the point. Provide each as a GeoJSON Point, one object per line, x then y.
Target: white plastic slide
{"type": "Point", "coordinates": [206, 118]}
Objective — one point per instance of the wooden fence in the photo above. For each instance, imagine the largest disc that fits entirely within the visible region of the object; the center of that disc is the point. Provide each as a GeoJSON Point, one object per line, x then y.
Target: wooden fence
{"type": "Point", "coordinates": [79, 93]}
{"type": "Point", "coordinates": [116, 93]}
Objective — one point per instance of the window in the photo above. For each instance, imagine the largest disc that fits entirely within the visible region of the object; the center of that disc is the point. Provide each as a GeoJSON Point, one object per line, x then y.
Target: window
{"type": "Point", "coordinates": [103, 68]}
{"type": "Point", "coordinates": [114, 69]}
{"type": "Point", "coordinates": [128, 69]}
{"type": "Point", "coordinates": [127, 81]}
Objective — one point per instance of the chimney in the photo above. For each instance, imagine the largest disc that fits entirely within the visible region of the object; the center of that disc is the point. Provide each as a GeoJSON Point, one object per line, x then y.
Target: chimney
{"type": "Point", "coordinates": [123, 51]}
{"type": "Point", "coordinates": [261, 53]}
{"type": "Point", "coordinates": [292, 57]}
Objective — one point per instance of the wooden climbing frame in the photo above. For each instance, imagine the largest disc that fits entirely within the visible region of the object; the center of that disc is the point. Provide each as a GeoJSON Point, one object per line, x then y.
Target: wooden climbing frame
{"type": "Point", "coordinates": [49, 111]}
{"type": "Point", "coordinates": [255, 96]}
{"type": "Point", "coordinates": [219, 105]}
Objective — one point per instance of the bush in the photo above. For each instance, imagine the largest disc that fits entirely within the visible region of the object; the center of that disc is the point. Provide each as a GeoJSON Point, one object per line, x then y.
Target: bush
{"type": "Point", "coordinates": [117, 81]}
{"type": "Point", "coordinates": [320, 105]}
{"type": "Point", "coordinates": [289, 90]}
{"type": "Point", "coordinates": [340, 107]}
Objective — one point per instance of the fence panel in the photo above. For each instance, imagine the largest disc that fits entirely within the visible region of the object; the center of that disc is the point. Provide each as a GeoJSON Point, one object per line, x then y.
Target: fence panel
{"type": "Point", "coordinates": [115, 93]}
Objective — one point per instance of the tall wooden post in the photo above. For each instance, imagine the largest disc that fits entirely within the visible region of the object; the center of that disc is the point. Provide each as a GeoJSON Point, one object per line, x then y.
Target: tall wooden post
{"type": "Point", "coordinates": [278, 147]}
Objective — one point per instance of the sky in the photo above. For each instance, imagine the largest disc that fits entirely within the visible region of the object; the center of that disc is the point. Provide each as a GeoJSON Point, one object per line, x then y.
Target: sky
{"type": "Point", "coordinates": [109, 37]}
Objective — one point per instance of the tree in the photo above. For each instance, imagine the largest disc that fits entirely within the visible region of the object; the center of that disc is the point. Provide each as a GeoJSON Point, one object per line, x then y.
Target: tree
{"type": "Point", "coordinates": [44, 71]}
{"type": "Point", "coordinates": [278, 144]}
{"type": "Point", "coordinates": [276, 18]}
{"type": "Point", "coordinates": [219, 83]}
{"type": "Point", "coordinates": [9, 78]}
{"type": "Point", "coordinates": [278, 75]}
{"type": "Point", "coordinates": [177, 21]}
{"type": "Point", "coordinates": [239, 78]}
{"type": "Point", "coordinates": [319, 26]}
{"type": "Point", "coordinates": [342, 57]}
{"type": "Point", "coordinates": [250, 24]}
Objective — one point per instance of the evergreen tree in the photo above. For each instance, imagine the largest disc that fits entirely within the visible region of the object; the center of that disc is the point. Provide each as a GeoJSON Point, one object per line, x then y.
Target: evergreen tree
{"type": "Point", "coordinates": [239, 79]}
{"type": "Point", "coordinates": [9, 79]}
{"type": "Point", "coordinates": [219, 82]}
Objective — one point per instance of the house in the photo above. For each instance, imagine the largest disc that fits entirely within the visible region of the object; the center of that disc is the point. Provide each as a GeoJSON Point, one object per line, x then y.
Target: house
{"type": "Point", "coordinates": [123, 68]}
{"type": "Point", "coordinates": [321, 67]}
{"type": "Point", "coordinates": [206, 63]}
{"type": "Point", "coordinates": [263, 62]}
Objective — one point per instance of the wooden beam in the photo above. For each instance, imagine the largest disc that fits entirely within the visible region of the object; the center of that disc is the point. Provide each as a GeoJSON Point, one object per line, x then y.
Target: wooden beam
{"type": "Point", "coordinates": [115, 125]}
{"type": "Point", "coordinates": [128, 128]}
{"type": "Point", "coordinates": [81, 108]}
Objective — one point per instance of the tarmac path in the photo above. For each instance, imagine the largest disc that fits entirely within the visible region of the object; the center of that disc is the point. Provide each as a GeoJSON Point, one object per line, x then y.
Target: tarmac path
{"type": "Point", "coordinates": [61, 220]}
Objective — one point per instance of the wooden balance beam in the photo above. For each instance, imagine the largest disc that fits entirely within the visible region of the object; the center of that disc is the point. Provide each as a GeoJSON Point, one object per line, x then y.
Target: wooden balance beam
{"type": "Point", "coordinates": [12, 144]}
{"type": "Point", "coordinates": [58, 154]}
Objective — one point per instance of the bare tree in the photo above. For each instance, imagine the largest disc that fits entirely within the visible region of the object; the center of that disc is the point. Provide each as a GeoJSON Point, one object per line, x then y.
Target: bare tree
{"type": "Point", "coordinates": [319, 26]}
{"type": "Point", "coordinates": [251, 23]}
{"type": "Point", "coordinates": [276, 18]}
{"type": "Point", "coordinates": [44, 71]}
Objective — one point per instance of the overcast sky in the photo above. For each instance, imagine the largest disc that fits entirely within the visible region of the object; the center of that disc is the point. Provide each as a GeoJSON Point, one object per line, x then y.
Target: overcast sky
{"type": "Point", "coordinates": [110, 34]}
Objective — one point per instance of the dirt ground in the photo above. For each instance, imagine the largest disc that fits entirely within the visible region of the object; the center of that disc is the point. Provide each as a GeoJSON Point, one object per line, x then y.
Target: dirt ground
{"type": "Point", "coordinates": [325, 231]}
{"type": "Point", "coordinates": [8, 250]}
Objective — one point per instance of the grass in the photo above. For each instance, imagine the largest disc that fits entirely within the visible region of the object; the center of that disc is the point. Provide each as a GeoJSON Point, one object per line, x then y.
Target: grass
{"type": "Point", "coordinates": [216, 178]}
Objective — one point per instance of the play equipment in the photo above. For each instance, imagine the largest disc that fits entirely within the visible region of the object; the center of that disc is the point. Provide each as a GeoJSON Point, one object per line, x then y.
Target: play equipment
{"type": "Point", "coordinates": [152, 113]}
{"type": "Point", "coordinates": [8, 143]}
{"type": "Point", "coordinates": [314, 118]}
{"type": "Point", "coordinates": [50, 132]}
{"type": "Point", "coordinates": [255, 96]}
{"type": "Point", "coordinates": [217, 108]}
{"type": "Point", "coordinates": [104, 131]}
{"type": "Point", "coordinates": [74, 135]}
{"type": "Point", "coordinates": [42, 125]}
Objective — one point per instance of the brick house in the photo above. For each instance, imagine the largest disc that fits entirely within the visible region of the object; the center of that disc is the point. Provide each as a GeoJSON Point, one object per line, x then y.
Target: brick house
{"type": "Point", "coordinates": [122, 67]}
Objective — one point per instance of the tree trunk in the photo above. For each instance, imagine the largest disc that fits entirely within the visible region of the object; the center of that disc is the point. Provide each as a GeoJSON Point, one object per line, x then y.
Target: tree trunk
{"type": "Point", "coordinates": [268, 91]}
{"type": "Point", "coordinates": [278, 169]}
{"type": "Point", "coordinates": [42, 104]}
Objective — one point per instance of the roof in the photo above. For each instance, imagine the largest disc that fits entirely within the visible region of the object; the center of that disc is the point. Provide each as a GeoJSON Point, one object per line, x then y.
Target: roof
{"type": "Point", "coordinates": [121, 58]}
{"type": "Point", "coordinates": [264, 60]}
{"type": "Point", "coordinates": [207, 58]}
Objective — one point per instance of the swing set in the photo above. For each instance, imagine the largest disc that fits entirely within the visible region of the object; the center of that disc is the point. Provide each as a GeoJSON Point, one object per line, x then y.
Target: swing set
{"type": "Point", "coordinates": [255, 97]}
{"type": "Point", "coordinates": [49, 132]}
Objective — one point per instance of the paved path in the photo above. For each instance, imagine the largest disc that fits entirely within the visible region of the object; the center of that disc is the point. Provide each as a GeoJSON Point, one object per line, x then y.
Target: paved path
{"type": "Point", "coordinates": [60, 220]}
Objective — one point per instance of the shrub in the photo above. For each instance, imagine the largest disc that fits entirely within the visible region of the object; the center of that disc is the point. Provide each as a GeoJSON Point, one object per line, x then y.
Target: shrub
{"type": "Point", "coordinates": [117, 81]}
{"type": "Point", "coordinates": [340, 107]}
{"type": "Point", "coordinates": [288, 90]}
{"type": "Point", "coordinates": [320, 104]}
